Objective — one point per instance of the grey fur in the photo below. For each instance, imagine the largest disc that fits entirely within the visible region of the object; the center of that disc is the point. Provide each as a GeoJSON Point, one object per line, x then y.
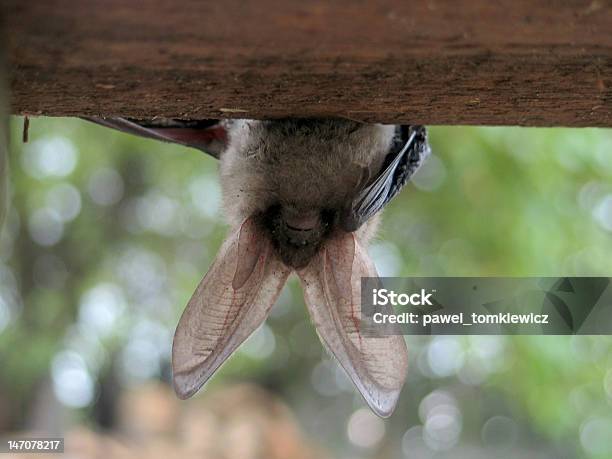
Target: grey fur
{"type": "Point", "coordinates": [302, 179]}
{"type": "Point", "coordinates": [304, 165]}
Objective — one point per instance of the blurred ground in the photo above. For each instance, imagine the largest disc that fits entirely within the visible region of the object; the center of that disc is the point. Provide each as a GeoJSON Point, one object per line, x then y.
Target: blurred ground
{"type": "Point", "coordinates": [243, 422]}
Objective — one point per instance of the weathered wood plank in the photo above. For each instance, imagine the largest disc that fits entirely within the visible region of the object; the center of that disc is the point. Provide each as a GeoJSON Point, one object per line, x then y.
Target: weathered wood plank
{"type": "Point", "coordinates": [533, 63]}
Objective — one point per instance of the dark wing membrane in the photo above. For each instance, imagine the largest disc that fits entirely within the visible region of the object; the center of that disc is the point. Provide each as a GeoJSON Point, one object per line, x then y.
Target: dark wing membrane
{"type": "Point", "coordinates": [403, 161]}
{"type": "Point", "coordinates": [209, 136]}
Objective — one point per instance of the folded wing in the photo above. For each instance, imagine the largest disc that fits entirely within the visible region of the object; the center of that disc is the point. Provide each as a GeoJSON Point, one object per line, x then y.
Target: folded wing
{"type": "Point", "coordinates": [209, 136]}
{"type": "Point", "coordinates": [401, 163]}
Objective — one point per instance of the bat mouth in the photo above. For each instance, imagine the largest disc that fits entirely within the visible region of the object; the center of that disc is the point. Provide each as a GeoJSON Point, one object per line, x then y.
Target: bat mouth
{"type": "Point", "coordinates": [297, 234]}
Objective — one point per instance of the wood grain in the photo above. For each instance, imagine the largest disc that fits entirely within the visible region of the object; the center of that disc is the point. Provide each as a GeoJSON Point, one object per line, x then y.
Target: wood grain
{"type": "Point", "coordinates": [535, 63]}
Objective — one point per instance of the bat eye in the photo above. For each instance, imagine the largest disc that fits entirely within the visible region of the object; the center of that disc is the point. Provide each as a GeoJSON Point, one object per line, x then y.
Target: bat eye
{"type": "Point", "coordinates": [294, 228]}
{"type": "Point", "coordinates": [301, 222]}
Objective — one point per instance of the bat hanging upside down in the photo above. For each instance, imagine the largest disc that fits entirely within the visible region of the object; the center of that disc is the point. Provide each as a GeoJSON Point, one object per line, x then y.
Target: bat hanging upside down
{"type": "Point", "coordinates": [301, 196]}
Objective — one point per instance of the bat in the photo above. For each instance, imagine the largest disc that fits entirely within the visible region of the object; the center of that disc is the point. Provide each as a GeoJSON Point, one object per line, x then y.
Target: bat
{"type": "Point", "coordinates": [302, 196]}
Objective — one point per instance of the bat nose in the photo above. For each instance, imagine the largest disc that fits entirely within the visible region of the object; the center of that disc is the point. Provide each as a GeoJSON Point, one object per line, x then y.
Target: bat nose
{"type": "Point", "coordinates": [299, 236]}
{"type": "Point", "coordinates": [298, 240]}
{"type": "Point", "coordinates": [300, 226]}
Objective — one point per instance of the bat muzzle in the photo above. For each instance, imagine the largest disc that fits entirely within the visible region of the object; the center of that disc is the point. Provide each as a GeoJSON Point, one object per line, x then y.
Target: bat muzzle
{"type": "Point", "coordinates": [301, 229]}
{"type": "Point", "coordinates": [296, 234]}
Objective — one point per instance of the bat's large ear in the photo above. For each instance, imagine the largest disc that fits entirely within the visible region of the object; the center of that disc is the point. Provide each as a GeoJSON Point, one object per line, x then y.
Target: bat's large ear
{"type": "Point", "coordinates": [232, 300]}
{"type": "Point", "coordinates": [332, 290]}
{"type": "Point", "coordinates": [210, 136]}
{"type": "Point", "coordinates": [410, 148]}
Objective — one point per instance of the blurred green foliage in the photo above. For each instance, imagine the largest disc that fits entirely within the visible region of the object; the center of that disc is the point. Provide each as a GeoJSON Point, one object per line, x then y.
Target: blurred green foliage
{"type": "Point", "coordinates": [109, 234]}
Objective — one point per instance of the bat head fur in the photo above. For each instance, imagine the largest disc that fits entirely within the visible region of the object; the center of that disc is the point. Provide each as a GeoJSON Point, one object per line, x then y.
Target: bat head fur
{"type": "Point", "coordinates": [297, 176]}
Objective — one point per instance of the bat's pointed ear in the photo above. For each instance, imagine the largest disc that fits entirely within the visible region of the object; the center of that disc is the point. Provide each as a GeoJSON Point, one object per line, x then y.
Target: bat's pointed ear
{"type": "Point", "coordinates": [210, 136]}
{"type": "Point", "coordinates": [230, 303]}
{"type": "Point", "coordinates": [375, 362]}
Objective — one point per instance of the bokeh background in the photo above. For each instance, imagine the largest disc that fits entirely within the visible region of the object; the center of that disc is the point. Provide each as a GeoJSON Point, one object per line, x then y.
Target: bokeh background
{"type": "Point", "coordinates": [109, 234]}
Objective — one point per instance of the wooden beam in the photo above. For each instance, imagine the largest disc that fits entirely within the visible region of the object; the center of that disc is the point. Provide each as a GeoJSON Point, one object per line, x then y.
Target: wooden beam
{"type": "Point", "coordinates": [525, 62]}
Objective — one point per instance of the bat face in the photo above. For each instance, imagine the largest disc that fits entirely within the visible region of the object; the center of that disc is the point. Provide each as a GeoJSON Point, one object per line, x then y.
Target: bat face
{"type": "Point", "coordinates": [301, 197]}
{"type": "Point", "coordinates": [297, 176]}
{"type": "Point", "coordinates": [297, 234]}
